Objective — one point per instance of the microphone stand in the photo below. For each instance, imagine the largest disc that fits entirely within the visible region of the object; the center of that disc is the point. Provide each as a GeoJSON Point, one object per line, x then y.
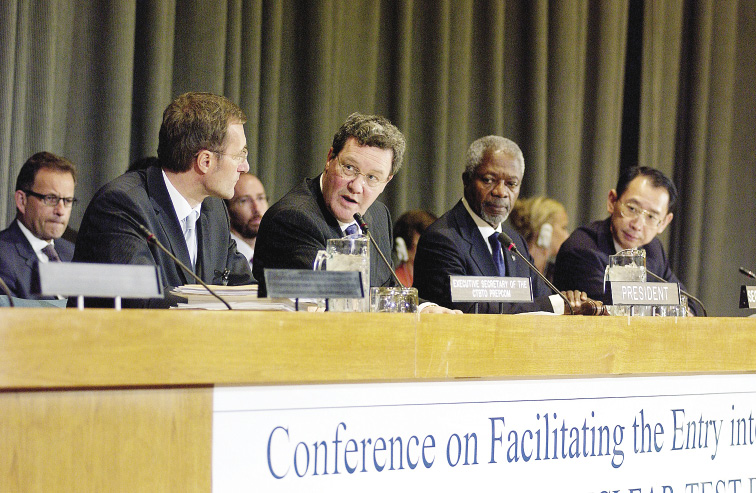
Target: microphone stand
{"type": "Point", "coordinates": [364, 227]}
{"type": "Point", "coordinates": [505, 239]}
{"type": "Point", "coordinates": [683, 292]}
{"type": "Point", "coordinates": [7, 292]}
{"type": "Point", "coordinates": [151, 239]}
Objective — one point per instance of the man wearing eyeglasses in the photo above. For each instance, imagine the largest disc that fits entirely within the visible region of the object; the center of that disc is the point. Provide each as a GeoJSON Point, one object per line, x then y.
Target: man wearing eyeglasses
{"type": "Point", "coordinates": [640, 209]}
{"type": "Point", "coordinates": [202, 152]}
{"type": "Point", "coordinates": [365, 154]}
{"type": "Point", "coordinates": [44, 198]}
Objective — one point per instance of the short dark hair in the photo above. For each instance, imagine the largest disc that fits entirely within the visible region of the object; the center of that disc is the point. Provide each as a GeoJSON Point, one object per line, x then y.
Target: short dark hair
{"type": "Point", "coordinates": [193, 122]}
{"type": "Point", "coordinates": [658, 180]}
{"type": "Point", "coordinates": [414, 221]}
{"type": "Point", "coordinates": [48, 160]}
{"type": "Point", "coordinates": [372, 131]}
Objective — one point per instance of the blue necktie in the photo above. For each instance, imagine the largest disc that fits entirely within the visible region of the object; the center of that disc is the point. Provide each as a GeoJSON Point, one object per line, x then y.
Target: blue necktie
{"type": "Point", "coordinates": [498, 258]}
{"type": "Point", "coordinates": [352, 229]}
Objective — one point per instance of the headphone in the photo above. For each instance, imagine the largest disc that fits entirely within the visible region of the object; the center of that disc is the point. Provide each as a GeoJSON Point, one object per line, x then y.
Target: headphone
{"type": "Point", "coordinates": [544, 235]}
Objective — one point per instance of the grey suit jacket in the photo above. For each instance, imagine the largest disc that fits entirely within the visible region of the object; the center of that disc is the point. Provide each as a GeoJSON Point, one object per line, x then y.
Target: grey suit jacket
{"type": "Point", "coordinates": [18, 262]}
{"type": "Point", "coordinates": [453, 246]}
{"type": "Point", "coordinates": [297, 226]}
{"type": "Point", "coordinates": [110, 233]}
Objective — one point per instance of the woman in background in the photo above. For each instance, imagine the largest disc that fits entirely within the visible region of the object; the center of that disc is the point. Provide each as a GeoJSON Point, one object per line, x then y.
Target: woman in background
{"type": "Point", "coordinates": [543, 223]}
{"type": "Point", "coordinates": [407, 231]}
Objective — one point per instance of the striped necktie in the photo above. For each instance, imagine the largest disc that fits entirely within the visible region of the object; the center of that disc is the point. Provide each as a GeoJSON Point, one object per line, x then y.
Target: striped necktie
{"type": "Point", "coordinates": [49, 250]}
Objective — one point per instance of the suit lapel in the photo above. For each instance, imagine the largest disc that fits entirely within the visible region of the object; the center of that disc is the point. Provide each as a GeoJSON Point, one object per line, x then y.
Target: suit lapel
{"type": "Point", "coordinates": [23, 247]}
{"type": "Point", "coordinates": [167, 219]}
{"type": "Point", "coordinates": [475, 244]}
{"type": "Point", "coordinates": [509, 258]}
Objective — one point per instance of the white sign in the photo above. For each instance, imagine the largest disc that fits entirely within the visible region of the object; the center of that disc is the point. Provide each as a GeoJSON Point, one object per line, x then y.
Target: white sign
{"type": "Point", "coordinates": [684, 434]}
{"type": "Point", "coordinates": [480, 288]}
{"type": "Point", "coordinates": [645, 293]}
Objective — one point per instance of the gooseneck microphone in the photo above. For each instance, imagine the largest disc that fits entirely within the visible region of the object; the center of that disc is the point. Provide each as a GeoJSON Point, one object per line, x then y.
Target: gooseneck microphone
{"type": "Point", "coordinates": [690, 296]}
{"type": "Point", "coordinates": [504, 239]}
{"type": "Point", "coordinates": [364, 227]}
{"type": "Point", "coordinates": [151, 239]}
{"type": "Point", "coordinates": [747, 272]}
{"type": "Point", "coordinates": [7, 292]}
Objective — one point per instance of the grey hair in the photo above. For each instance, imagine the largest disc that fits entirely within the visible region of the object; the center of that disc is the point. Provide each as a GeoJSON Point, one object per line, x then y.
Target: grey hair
{"type": "Point", "coordinates": [373, 131]}
{"type": "Point", "coordinates": [478, 149]}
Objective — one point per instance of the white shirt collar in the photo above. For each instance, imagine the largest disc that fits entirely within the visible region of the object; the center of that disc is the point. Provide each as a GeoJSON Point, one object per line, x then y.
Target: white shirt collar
{"type": "Point", "coordinates": [486, 230]}
{"type": "Point", "coordinates": [243, 247]}
{"type": "Point", "coordinates": [180, 204]}
{"type": "Point", "coordinates": [37, 244]}
{"type": "Point", "coordinates": [343, 226]}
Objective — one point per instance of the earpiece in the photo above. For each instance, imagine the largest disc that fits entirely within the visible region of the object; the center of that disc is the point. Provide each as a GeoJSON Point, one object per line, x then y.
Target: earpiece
{"type": "Point", "coordinates": [544, 235]}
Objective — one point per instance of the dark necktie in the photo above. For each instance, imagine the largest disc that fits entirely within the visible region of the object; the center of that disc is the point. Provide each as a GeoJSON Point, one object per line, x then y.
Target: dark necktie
{"type": "Point", "coordinates": [498, 258]}
{"type": "Point", "coordinates": [49, 250]}
{"type": "Point", "coordinates": [352, 229]}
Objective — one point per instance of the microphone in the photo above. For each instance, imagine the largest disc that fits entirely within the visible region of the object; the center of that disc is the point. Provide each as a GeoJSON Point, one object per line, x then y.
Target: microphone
{"type": "Point", "coordinates": [504, 239]}
{"type": "Point", "coordinates": [683, 292]}
{"type": "Point", "coordinates": [151, 239]}
{"type": "Point", "coordinates": [364, 227]}
{"type": "Point", "coordinates": [747, 272]}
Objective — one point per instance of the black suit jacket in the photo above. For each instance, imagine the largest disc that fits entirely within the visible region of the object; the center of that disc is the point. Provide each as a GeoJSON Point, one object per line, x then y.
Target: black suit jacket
{"type": "Point", "coordinates": [18, 262]}
{"type": "Point", "coordinates": [297, 226]}
{"type": "Point", "coordinates": [583, 257]}
{"type": "Point", "coordinates": [109, 233]}
{"type": "Point", "coordinates": [453, 246]}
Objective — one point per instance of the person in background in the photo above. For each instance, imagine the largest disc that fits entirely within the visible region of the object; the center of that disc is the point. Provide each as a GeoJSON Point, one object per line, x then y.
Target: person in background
{"type": "Point", "coordinates": [44, 199]}
{"type": "Point", "coordinates": [543, 223]}
{"type": "Point", "coordinates": [246, 210]}
{"type": "Point", "coordinates": [407, 231]}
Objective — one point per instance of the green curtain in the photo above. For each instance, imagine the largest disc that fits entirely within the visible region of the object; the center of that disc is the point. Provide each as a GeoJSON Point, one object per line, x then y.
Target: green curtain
{"type": "Point", "coordinates": [89, 79]}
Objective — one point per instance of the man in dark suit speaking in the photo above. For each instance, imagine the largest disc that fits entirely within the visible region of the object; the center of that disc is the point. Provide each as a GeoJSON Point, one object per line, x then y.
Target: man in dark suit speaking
{"type": "Point", "coordinates": [44, 198]}
{"type": "Point", "coordinates": [464, 241]}
{"type": "Point", "coordinates": [365, 154]}
{"type": "Point", "coordinates": [202, 151]}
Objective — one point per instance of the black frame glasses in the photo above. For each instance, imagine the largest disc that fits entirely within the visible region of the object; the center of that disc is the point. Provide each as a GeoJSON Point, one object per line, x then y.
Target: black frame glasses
{"type": "Point", "coordinates": [52, 200]}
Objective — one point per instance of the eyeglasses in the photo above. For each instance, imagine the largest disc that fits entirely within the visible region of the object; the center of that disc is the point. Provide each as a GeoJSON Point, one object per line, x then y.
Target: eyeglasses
{"type": "Point", "coordinates": [52, 200]}
{"type": "Point", "coordinates": [239, 158]}
{"type": "Point", "coordinates": [352, 171]}
{"type": "Point", "coordinates": [631, 211]}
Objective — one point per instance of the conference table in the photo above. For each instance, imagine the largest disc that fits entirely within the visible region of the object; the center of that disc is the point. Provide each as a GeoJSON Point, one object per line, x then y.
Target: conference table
{"type": "Point", "coordinates": [105, 400]}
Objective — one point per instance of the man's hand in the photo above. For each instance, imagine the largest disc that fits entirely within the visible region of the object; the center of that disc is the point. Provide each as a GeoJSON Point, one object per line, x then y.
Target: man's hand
{"type": "Point", "coordinates": [440, 309]}
{"type": "Point", "coordinates": [582, 304]}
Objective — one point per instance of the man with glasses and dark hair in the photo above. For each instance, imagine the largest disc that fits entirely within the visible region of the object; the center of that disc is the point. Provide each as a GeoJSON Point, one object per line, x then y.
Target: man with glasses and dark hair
{"type": "Point", "coordinates": [202, 152]}
{"type": "Point", "coordinates": [44, 198]}
{"type": "Point", "coordinates": [365, 154]}
{"type": "Point", "coordinates": [640, 208]}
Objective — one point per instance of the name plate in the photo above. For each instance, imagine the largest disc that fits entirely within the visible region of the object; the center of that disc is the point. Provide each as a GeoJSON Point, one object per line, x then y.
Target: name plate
{"type": "Point", "coordinates": [747, 296]}
{"type": "Point", "coordinates": [476, 288]}
{"type": "Point", "coordinates": [302, 283]}
{"type": "Point", "coordinates": [645, 293]}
